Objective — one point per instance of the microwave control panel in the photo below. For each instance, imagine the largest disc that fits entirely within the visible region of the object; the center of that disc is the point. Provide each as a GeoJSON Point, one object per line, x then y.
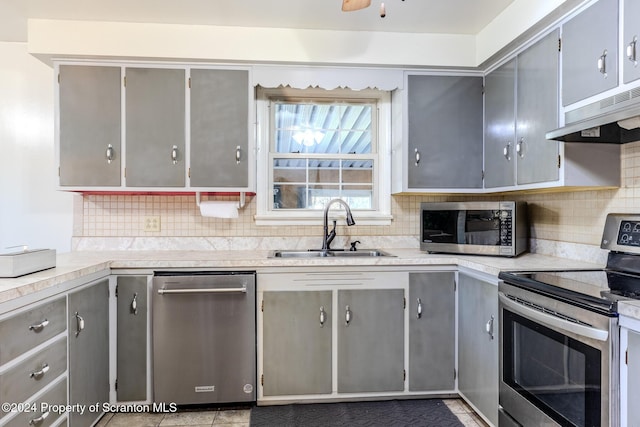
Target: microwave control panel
{"type": "Point", "coordinates": [506, 227]}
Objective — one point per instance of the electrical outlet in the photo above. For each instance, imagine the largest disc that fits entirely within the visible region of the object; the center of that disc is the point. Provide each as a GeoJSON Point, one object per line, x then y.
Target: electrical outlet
{"type": "Point", "coordinates": [152, 223]}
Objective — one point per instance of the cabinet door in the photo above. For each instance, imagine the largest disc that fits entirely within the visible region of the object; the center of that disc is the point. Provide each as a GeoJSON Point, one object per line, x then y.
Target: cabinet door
{"type": "Point", "coordinates": [88, 350]}
{"type": "Point", "coordinates": [590, 52]}
{"type": "Point", "coordinates": [219, 128]}
{"type": "Point", "coordinates": [371, 329]}
{"type": "Point", "coordinates": [155, 127]}
{"type": "Point", "coordinates": [432, 331]}
{"type": "Point", "coordinates": [444, 131]}
{"type": "Point", "coordinates": [131, 338]}
{"type": "Point", "coordinates": [478, 344]}
{"type": "Point", "coordinates": [537, 107]}
{"type": "Point", "coordinates": [499, 135]}
{"type": "Point", "coordinates": [633, 376]}
{"type": "Point", "coordinates": [630, 36]}
{"type": "Point", "coordinates": [297, 342]}
{"type": "Point", "coordinates": [90, 129]}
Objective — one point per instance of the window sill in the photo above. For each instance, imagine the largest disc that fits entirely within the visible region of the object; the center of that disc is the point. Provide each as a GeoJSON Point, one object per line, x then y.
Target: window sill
{"type": "Point", "coordinates": [316, 218]}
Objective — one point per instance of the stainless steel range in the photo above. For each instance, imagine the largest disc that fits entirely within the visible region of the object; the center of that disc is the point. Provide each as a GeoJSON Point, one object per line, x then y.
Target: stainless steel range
{"type": "Point", "coordinates": [559, 340]}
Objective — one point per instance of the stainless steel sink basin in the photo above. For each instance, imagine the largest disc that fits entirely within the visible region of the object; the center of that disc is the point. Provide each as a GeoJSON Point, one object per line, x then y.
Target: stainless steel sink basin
{"type": "Point", "coordinates": [312, 253]}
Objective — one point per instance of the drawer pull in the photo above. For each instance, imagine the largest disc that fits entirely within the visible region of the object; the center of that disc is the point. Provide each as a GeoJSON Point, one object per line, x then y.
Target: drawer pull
{"type": "Point", "coordinates": [134, 304]}
{"type": "Point", "coordinates": [39, 420]}
{"type": "Point", "coordinates": [39, 326]}
{"type": "Point", "coordinates": [36, 375]}
{"type": "Point", "coordinates": [79, 324]}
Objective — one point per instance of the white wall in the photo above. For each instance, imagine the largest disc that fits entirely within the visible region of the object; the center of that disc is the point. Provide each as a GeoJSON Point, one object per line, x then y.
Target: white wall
{"type": "Point", "coordinates": [32, 212]}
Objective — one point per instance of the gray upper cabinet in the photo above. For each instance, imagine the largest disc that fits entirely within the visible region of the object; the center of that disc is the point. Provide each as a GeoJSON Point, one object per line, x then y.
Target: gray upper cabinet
{"type": "Point", "coordinates": [499, 136]}
{"type": "Point", "coordinates": [371, 328]}
{"type": "Point", "coordinates": [89, 125]}
{"type": "Point", "coordinates": [155, 127]}
{"type": "Point", "coordinates": [590, 52]}
{"type": "Point", "coordinates": [432, 331]}
{"type": "Point", "coordinates": [219, 128]}
{"type": "Point", "coordinates": [88, 320]}
{"type": "Point", "coordinates": [537, 111]}
{"type": "Point", "coordinates": [630, 36]}
{"type": "Point", "coordinates": [297, 349]}
{"type": "Point", "coordinates": [444, 148]}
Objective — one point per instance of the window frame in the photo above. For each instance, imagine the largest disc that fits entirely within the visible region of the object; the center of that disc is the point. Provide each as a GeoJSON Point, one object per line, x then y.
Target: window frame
{"type": "Point", "coordinates": [381, 138]}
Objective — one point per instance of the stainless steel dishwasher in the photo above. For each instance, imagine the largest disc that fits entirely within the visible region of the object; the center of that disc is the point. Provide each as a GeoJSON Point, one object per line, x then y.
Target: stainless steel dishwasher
{"type": "Point", "coordinates": [204, 342]}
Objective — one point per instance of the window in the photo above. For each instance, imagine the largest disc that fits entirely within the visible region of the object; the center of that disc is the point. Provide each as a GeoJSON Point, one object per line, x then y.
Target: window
{"type": "Point", "coordinates": [316, 145]}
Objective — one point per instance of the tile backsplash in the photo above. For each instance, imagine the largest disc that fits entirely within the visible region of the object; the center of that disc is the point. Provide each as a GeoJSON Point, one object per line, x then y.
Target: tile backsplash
{"type": "Point", "coordinates": [565, 216]}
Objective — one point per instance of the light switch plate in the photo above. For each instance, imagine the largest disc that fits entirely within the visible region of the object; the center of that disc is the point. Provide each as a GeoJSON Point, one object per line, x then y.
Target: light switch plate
{"type": "Point", "coordinates": [152, 223]}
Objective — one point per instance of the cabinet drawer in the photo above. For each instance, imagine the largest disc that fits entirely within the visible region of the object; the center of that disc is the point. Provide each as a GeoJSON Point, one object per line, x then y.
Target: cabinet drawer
{"type": "Point", "coordinates": [30, 328]}
{"type": "Point", "coordinates": [34, 373]}
{"type": "Point", "coordinates": [56, 396]}
{"type": "Point", "coordinates": [369, 279]}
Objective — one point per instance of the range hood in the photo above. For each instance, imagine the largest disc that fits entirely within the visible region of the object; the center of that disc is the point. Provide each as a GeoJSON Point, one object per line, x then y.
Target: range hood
{"type": "Point", "coordinates": [615, 119]}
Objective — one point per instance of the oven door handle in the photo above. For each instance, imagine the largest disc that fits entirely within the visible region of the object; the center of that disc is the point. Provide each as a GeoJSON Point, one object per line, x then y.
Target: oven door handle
{"type": "Point", "coordinates": [552, 321]}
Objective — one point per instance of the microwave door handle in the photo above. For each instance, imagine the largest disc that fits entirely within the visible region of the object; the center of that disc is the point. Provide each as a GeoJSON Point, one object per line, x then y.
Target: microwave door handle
{"type": "Point", "coordinates": [552, 321]}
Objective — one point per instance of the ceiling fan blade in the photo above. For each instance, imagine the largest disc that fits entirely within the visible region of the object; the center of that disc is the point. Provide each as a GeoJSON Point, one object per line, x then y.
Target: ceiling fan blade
{"type": "Point", "coordinates": [351, 5]}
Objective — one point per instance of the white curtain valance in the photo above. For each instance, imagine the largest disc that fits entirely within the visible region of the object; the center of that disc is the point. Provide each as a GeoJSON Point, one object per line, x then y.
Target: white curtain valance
{"type": "Point", "coordinates": [327, 77]}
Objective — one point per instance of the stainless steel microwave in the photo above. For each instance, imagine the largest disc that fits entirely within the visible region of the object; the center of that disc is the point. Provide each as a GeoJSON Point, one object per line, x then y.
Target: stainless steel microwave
{"type": "Point", "coordinates": [483, 228]}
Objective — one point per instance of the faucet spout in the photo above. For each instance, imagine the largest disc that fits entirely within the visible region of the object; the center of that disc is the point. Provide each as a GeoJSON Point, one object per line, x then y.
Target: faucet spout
{"type": "Point", "coordinates": [328, 237]}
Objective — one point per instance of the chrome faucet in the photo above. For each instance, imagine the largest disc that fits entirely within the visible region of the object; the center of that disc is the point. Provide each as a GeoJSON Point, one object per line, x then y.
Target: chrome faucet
{"type": "Point", "coordinates": [330, 235]}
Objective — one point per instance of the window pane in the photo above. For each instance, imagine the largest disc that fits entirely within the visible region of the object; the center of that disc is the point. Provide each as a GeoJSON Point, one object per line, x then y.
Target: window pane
{"type": "Point", "coordinates": [324, 171]}
{"type": "Point", "coordinates": [289, 196]}
{"type": "Point", "coordinates": [357, 171]}
{"type": "Point", "coordinates": [320, 195]}
{"type": "Point", "coordinates": [290, 170]}
{"type": "Point", "coordinates": [355, 142]}
{"type": "Point", "coordinates": [358, 196]}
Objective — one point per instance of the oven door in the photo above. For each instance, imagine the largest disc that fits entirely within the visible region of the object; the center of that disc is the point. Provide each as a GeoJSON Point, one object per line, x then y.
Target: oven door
{"type": "Point", "coordinates": [555, 362]}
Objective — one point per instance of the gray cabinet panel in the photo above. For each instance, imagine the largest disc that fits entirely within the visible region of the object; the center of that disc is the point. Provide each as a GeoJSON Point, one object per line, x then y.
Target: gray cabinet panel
{"type": "Point", "coordinates": [631, 32]}
{"type": "Point", "coordinates": [375, 334]}
{"type": "Point", "coordinates": [585, 38]}
{"type": "Point", "coordinates": [89, 108]}
{"type": "Point", "coordinates": [537, 111]}
{"type": "Point", "coordinates": [132, 338]}
{"type": "Point", "coordinates": [219, 128]}
{"type": "Point", "coordinates": [155, 124]}
{"type": "Point", "coordinates": [431, 331]}
{"type": "Point", "coordinates": [297, 346]}
{"type": "Point", "coordinates": [499, 142]}
{"type": "Point", "coordinates": [56, 396]}
{"type": "Point", "coordinates": [88, 349]}
{"type": "Point", "coordinates": [445, 127]}
{"type": "Point", "coordinates": [477, 349]}
{"type": "Point", "coordinates": [633, 376]}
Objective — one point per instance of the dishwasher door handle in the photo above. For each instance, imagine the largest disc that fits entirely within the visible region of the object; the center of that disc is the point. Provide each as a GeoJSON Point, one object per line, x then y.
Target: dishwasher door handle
{"type": "Point", "coordinates": [163, 291]}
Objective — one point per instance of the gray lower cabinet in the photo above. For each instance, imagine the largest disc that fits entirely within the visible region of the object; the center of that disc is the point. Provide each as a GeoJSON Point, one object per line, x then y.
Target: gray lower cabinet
{"type": "Point", "coordinates": [432, 323]}
{"type": "Point", "coordinates": [219, 117]}
{"type": "Point", "coordinates": [155, 127]}
{"type": "Point", "coordinates": [132, 339]}
{"type": "Point", "coordinates": [89, 125]}
{"type": "Point", "coordinates": [590, 52]}
{"type": "Point", "coordinates": [370, 340]}
{"type": "Point", "coordinates": [478, 331]}
{"type": "Point", "coordinates": [88, 320]}
{"type": "Point", "coordinates": [630, 36]}
{"type": "Point", "coordinates": [297, 342]}
{"type": "Point", "coordinates": [444, 148]}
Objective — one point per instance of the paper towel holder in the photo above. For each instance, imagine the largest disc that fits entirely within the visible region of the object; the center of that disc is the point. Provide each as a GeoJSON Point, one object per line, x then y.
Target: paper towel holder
{"type": "Point", "coordinates": [241, 203]}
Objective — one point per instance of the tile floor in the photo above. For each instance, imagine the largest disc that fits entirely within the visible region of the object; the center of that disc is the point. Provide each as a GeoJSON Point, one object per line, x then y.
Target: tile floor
{"type": "Point", "coordinates": [239, 418]}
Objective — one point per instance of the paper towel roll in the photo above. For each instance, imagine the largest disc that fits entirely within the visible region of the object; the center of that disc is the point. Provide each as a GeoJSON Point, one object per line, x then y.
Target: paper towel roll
{"type": "Point", "coordinates": [217, 209]}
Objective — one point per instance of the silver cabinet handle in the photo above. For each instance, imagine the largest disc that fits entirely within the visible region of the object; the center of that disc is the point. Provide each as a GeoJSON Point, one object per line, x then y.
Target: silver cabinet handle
{"type": "Point", "coordinates": [109, 153]}
{"type": "Point", "coordinates": [79, 324]}
{"type": "Point", "coordinates": [36, 375]}
{"type": "Point", "coordinates": [489, 326]}
{"type": "Point", "coordinates": [323, 316]}
{"type": "Point", "coordinates": [520, 148]}
{"type": "Point", "coordinates": [417, 154]}
{"type": "Point", "coordinates": [506, 151]}
{"type": "Point", "coordinates": [347, 316]}
{"type": "Point", "coordinates": [39, 326]}
{"type": "Point", "coordinates": [163, 291]}
{"type": "Point", "coordinates": [174, 154]}
{"type": "Point", "coordinates": [134, 304]}
{"type": "Point", "coordinates": [419, 309]}
{"type": "Point", "coordinates": [631, 51]}
{"type": "Point", "coordinates": [39, 420]}
{"type": "Point", "coordinates": [602, 63]}
{"type": "Point", "coordinates": [238, 155]}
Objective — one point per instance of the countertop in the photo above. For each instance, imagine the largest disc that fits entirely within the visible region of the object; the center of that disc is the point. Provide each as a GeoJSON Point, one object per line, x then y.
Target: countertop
{"type": "Point", "coordinates": [74, 265]}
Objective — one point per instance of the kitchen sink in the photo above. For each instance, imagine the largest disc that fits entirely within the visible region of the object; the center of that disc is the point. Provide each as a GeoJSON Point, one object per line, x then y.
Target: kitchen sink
{"type": "Point", "coordinates": [314, 253]}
